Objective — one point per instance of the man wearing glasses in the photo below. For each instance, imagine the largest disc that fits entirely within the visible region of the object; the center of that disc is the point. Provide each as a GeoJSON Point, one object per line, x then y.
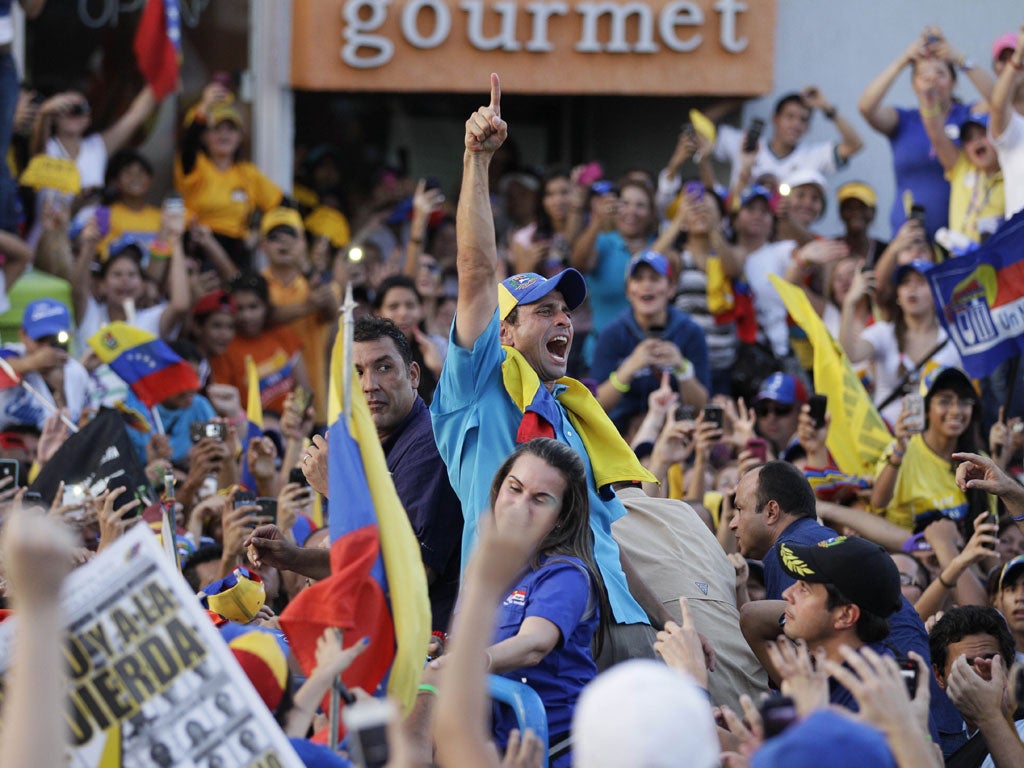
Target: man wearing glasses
{"type": "Point", "coordinates": [777, 406]}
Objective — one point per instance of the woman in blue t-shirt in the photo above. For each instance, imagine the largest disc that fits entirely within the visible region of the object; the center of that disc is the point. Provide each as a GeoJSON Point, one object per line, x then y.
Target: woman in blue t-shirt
{"type": "Point", "coordinates": [549, 617]}
{"type": "Point", "coordinates": [920, 177]}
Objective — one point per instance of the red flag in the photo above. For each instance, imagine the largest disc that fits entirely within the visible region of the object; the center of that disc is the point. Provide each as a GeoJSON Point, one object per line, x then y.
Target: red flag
{"type": "Point", "coordinates": [157, 46]}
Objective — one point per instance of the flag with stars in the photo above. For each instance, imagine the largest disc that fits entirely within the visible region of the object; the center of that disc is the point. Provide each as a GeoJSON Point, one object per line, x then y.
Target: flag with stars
{"type": "Point", "coordinates": [151, 368]}
{"type": "Point", "coordinates": [157, 45]}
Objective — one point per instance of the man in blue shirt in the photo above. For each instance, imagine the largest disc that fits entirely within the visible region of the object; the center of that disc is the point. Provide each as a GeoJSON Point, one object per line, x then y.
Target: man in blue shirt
{"type": "Point", "coordinates": [504, 382]}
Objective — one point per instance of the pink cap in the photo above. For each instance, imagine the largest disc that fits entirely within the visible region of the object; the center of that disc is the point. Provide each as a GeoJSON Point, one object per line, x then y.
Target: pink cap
{"type": "Point", "coordinates": [1005, 42]}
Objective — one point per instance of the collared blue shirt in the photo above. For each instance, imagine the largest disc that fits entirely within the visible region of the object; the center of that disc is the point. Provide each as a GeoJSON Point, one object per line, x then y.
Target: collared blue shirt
{"type": "Point", "coordinates": [430, 502]}
{"type": "Point", "coordinates": [475, 424]}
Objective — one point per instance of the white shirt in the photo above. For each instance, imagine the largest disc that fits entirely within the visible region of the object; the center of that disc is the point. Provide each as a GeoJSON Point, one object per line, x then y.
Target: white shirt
{"type": "Point", "coordinates": [817, 156]}
{"type": "Point", "coordinates": [887, 358]}
{"type": "Point", "coordinates": [19, 406]}
{"type": "Point", "coordinates": [1010, 149]}
{"type": "Point", "coordinates": [770, 259]}
{"type": "Point", "coordinates": [91, 160]}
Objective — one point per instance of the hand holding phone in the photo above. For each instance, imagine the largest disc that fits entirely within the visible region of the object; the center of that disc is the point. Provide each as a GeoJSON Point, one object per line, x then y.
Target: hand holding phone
{"type": "Point", "coordinates": [819, 405]}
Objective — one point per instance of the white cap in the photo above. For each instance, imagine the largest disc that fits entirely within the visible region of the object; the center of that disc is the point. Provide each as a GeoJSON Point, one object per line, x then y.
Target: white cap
{"type": "Point", "coordinates": [644, 714]}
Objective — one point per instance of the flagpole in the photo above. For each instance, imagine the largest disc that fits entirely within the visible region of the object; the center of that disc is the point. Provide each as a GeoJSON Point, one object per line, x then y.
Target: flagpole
{"type": "Point", "coordinates": [346, 309]}
{"type": "Point", "coordinates": [51, 407]}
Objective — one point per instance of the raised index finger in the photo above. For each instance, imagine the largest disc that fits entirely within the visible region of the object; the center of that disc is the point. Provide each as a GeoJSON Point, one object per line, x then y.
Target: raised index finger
{"type": "Point", "coordinates": [495, 94]}
{"type": "Point", "coordinates": [684, 609]}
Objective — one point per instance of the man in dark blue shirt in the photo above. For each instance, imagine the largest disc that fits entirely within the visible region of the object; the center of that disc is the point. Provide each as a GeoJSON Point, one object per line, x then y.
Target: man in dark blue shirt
{"type": "Point", "coordinates": [389, 377]}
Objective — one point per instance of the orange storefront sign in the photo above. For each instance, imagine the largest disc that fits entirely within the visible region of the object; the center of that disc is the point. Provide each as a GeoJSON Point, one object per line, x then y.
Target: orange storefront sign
{"type": "Point", "coordinates": [643, 47]}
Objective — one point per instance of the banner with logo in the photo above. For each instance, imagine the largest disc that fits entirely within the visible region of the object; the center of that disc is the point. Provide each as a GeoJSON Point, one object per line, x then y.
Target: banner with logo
{"type": "Point", "coordinates": [979, 298]}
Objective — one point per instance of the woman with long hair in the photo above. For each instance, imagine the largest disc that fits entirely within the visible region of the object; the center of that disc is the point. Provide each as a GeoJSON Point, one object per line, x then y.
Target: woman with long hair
{"type": "Point", "coordinates": [549, 617]}
{"type": "Point", "coordinates": [911, 342]}
{"type": "Point", "coordinates": [916, 481]}
{"type": "Point", "coordinates": [545, 245]}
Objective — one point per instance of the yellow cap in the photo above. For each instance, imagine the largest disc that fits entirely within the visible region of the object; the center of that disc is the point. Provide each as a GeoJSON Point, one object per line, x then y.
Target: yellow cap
{"type": "Point", "coordinates": [224, 112]}
{"type": "Point", "coordinates": [324, 221]}
{"type": "Point", "coordinates": [857, 190]}
{"type": "Point", "coordinates": [281, 217]}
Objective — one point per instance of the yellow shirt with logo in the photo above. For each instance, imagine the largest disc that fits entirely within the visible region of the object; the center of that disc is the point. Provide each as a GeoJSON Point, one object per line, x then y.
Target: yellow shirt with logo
{"type": "Point", "coordinates": [974, 198]}
{"type": "Point", "coordinates": [224, 199]}
{"type": "Point", "coordinates": [925, 487]}
{"type": "Point", "coordinates": [125, 220]}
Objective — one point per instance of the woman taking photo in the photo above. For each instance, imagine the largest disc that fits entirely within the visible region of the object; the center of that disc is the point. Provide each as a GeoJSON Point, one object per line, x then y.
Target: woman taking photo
{"type": "Point", "coordinates": [902, 347]}
{"type": "Point", "coordinates": [549, 617]}
{"type": "Point", "coordinates": [920, 178]}
{"type": "Point", "coordinates": [544, 246]}
{"type": "Point", "coordinates": [916, 481]}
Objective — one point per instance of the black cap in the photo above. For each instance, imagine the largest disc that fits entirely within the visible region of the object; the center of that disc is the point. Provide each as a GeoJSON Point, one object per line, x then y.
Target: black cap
{"type": "Point", "coordinates": [860, 569]}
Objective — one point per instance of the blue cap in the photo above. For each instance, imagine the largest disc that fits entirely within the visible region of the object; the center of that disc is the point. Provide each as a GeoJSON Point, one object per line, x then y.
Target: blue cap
{"type": "Point", "coordinates": [528, 287]}
{"type": "Point", "coordinates": [127, 241]}
{"type": "Point", "coordinates": [920, 266]}
{"type": "Point", "coordinates": [825, 738]}
{"type": "Point", "coordinates": [753, 192]}
{"type": "Point", "coordinates": [652, 259]}
{"type": "Point", "coordinates": [45, 317]}
{"type": "Point", "coordinates": [980, 119]}
{"type": "Point", "coordinates": [782, 388]}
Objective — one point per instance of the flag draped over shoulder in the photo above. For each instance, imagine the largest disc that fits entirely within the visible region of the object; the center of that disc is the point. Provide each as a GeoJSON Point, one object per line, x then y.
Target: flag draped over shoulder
{"type": "Point", "coordinates": [157, 45]}
{"type": "Point", "coordinates": [151, 368]}
{"type": "Point", "coordinates": [979, 298]}
{"type": "Point", "coordinates": [377, 586]}
{"type": "Point", "coordinates": [857, 435]}
{"type": "Point", "coordinates": [254, 417]}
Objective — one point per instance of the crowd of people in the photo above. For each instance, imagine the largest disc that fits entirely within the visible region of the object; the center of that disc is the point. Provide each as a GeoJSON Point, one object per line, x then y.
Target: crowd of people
{"type": "Point", "coordinates": [597, 411]}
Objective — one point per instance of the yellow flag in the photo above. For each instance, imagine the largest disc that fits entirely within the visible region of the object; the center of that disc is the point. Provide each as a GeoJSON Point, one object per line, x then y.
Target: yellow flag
{"type": "Point", "coordinates": [703, 125]}
{"type": "Point", "coordinates": [857, 435]}
{"type": "Point", "coordinates": [253, 404]}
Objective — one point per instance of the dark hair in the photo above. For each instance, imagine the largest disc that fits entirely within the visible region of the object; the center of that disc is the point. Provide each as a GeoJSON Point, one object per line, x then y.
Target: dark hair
{"type": "Point", "coordinates": [186, 350]}
{"type": "Point", "coordinates": [545, 227]}
{"type": "Point", "coordinates": [126, 158]}
{"type": "Point", "coordinates": [394, 281]}
{"type": "Point", "coordinates": [652, 216]}
{"type": "Point", "coordinates": [786, 100]}
{"type": "Point", "coordinates": [870, 627]}
{"type": "Point", "coordinates": [250, 282]}
{"type": "Point", "coordinates": [131, 252]}
{"type": "Point", "coordinates": [786, 485]}
{"type": "Point", "coordinates": [958, 623]}
{"type": "Point", "coordinates": [205, 554]}
{"type": "Point", "coordinates": [571, 535]}
{"type": "Point", "coordinates": [372, 328]}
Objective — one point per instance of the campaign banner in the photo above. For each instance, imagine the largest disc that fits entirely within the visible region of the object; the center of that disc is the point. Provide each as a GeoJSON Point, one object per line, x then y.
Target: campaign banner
{"type": "Point", "coordinates": [150, 680]}
{"type": "Point", "coordinates": [98, 457]}
{"type": "Point", "coordinates": [979, 298]}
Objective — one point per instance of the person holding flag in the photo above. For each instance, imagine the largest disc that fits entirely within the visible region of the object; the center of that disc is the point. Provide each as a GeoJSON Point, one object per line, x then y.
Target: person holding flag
{"type": "Point", "coordinates": [504, 383]}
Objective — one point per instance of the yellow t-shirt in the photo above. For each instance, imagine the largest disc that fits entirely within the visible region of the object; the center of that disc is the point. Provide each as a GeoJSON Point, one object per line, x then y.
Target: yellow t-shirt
{"type": "Point", "coordinates": [312, 332]}
{"type": "Point", "coordinates": [224, 200]}
{"type": "Point", "coordinates": [925, 487]}
{"type": "Point", "coordinates": [124, 220]}
{"type": "Point", "coordinates": [974, 197]}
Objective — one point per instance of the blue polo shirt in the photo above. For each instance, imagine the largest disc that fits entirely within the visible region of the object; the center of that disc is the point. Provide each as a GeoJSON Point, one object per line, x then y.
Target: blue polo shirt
{"type": "Point", "coordinates": [431, 504]}
{"type": "Point", "coordinates": [559, 591]}
{"type": "Point", "coordinates": [475, 424]}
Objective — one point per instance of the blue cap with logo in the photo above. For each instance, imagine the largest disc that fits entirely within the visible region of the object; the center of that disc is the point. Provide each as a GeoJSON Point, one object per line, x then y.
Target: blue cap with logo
{"type": "Point", "coordinates": [45, 317]}
{"type": "Point", "coordinates": [782, 388]}
{"type": "Point", "coordinates": [753, 192]}
{"type": "Point", "coordinates": [528, 287]}
{"type": "Point", "coordinates": [652, 259]}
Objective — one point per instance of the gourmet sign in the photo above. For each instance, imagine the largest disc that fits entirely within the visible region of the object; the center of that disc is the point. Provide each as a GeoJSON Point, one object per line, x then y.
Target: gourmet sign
{"type": "Point", "coordinates": [667, 47]}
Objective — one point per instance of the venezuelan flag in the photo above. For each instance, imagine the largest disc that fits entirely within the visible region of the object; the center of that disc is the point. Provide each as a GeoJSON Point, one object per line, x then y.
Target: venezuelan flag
{"type": "Point", "coordinates": [979, 298]}
{"type": "Point", "coordinates": [254, 415]}
{"type": "Point", "coordinates": [157, 45]}
{"type": "Point", "coordinates": [377, 586]}
{"type": "Point", "coordinates": [147, 365]}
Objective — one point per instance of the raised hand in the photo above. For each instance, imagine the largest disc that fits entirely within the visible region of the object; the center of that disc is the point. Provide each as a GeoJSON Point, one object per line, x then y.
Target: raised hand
{"type": "Point", "coordinates": [485, 130]}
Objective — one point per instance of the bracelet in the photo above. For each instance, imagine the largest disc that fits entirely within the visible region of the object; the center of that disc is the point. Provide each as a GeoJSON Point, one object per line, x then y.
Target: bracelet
{"type": "Point", "coordinates": [1018, 519]}
{"type": "Point", "coordinates": [416, 240]}
{"type": "Point", "coordinates": [427, 688]}
{"type": "Point", "coordinates": [830, 113]}
{"type": "Point", "coordinates": [942, 581]}
{"type": "Point", "coordinates": [617, 384]}
{"type": "Point", "coordinates": [490, 662]}
{"type": "Point", "coordinates": [685, 371]}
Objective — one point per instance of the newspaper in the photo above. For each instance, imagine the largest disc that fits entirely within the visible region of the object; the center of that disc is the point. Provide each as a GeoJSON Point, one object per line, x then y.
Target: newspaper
{"type": "Point", "coordinates": [150, 681]}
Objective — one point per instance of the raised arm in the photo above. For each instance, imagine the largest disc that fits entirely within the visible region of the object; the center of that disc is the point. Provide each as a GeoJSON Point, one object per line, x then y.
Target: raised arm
{"type": "Point", "coordinates": [883, 117]}
{"type": "Point", "coordinates": [934, 119]}
{"type": "Point", "coordinates": [1001, 104]}
{"type": "Point", "coordinates": [945, 50]}
{"type": "Point", "coordinates": [477, 250]}
{"type": "Point", "coordinates": [850, 142]}
{"type": "Point", "coordinates": [142, 106]}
